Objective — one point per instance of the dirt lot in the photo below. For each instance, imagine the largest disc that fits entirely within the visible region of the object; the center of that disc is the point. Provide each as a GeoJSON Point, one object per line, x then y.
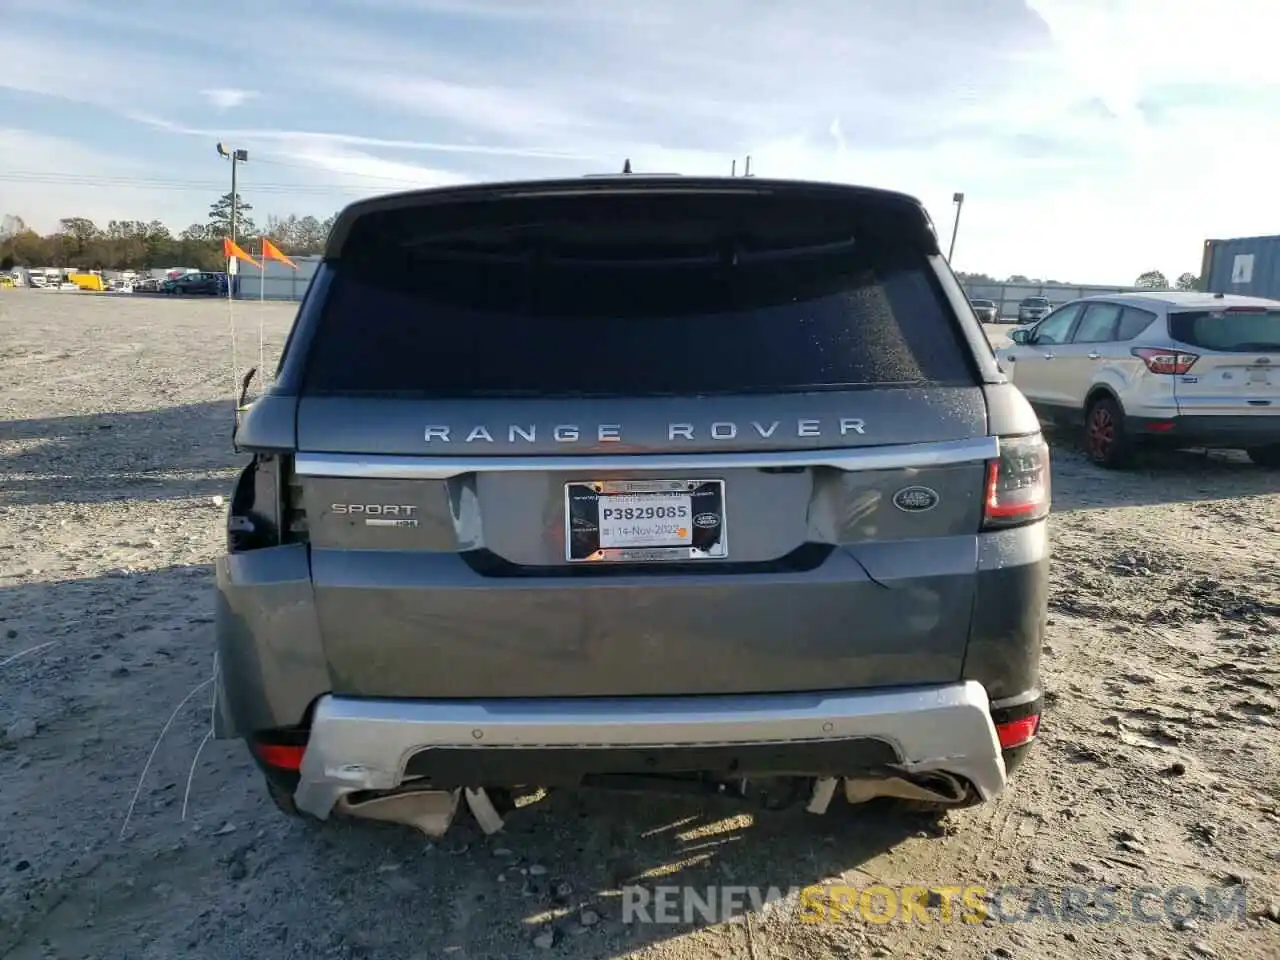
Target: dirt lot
{"type": "Point", "coordinates": [1160, 764]}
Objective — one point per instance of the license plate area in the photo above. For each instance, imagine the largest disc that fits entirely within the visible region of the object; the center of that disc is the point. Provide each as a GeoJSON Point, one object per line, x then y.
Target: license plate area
{"type": "Point", "coordinates": [644, 521]}
{"type": "Point", "coordinates": [1260, 376]}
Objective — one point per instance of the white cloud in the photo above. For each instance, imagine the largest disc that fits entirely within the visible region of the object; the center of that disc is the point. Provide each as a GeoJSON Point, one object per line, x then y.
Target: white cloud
{"type": "Point", "coordinates": [265, 136]}
{"type": "Point", "coordinates": [47, 178]}
{"type": "Point", "coordinates": [485, 109]}
{"type": "Point", "coordinates": [72, 72]}
{"type": "Point", "coordinates": [363, 172]}
{"type": "Point", "coordinates": [837, 134]}
{"type": "Point", "coordinates": [228, 98]}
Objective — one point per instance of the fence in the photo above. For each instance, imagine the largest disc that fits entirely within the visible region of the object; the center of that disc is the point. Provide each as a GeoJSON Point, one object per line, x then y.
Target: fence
{"type": "Point", "coordinates": [276, 281]}
{"type": "Point", "coordinates": [1007, 296]}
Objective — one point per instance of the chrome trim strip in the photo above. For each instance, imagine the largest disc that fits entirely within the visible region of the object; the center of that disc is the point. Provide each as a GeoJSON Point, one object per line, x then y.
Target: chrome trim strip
{"type": "Point", "coordinates": [365, 744]}
{"type": "Point", "coordinates": [889, 457]}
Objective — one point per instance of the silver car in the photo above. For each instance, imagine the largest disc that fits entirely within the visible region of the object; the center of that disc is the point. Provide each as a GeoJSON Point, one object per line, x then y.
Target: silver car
{"type": "Point", "coordinates": [632, 482]}
{"type": "Point", "coordinates": [1032, 309]}
{"type": "Point", "coordinates": [986, 310]}
{"type": "Point", "coordinates": [1173, 369]}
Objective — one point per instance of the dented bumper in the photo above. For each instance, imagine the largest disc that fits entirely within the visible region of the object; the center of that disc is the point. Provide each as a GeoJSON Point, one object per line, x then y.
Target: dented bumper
{"type": "Point", "coordinates": [358, 745]}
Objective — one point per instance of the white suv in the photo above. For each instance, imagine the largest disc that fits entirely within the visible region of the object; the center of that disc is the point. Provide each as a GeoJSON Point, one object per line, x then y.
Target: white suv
{"type": "Point", "coordinates": [1180, 369]}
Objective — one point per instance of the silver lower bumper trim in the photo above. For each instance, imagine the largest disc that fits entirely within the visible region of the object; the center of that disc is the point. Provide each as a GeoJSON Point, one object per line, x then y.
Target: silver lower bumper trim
{"type": "Point", "coordinates": [359, 744]}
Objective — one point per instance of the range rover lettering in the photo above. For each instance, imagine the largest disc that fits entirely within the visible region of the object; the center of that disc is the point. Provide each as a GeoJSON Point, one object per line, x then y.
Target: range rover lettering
{"type": "Point", "coordinates": [636, 482]}
{"type": "Point", "coordinates": [617, 432]}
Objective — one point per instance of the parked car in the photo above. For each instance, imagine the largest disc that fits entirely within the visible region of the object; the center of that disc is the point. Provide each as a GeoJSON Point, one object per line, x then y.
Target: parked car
{"type": "Point", "coordinates": [194, 284]}
{"type": "Point", "coordinates": [986, 310]}
{"type": "Point", "coordinates": [1175, 369]}
{"type": "Point", "coordinates": [1032, 309]}
{"type": "Point", "coordinates": [510, 527]}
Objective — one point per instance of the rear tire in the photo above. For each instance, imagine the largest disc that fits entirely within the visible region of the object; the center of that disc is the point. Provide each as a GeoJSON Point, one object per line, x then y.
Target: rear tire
{"type": "Point", "coordinates": [282, 798]}
{"type": "Point", "coordinates": [1268, 456]}
{"type": "Point", "coordinates": [1106, 440]}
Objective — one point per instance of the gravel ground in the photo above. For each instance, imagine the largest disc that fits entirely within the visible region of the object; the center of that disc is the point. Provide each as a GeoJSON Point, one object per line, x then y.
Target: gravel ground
{"type": "Point", "coordinates": [1159, 765]}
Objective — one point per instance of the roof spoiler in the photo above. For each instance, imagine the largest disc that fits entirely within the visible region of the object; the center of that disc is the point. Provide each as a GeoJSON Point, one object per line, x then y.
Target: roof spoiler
{"type": "Point", "coordinates": [440, 198]}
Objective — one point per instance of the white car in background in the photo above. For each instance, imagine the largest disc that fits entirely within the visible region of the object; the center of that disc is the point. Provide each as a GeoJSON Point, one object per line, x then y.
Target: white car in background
{"type": "Point", "coordinates": [1175, 369]}
{"type": "Point", "coordinates": [1032, 309]}
{"type": "Point", "coordinates": [986, 311]}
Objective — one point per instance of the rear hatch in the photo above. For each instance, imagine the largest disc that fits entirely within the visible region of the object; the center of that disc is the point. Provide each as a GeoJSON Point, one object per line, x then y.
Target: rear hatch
{"type": "Point", "coordinates": [639, 441]}
{"type": "Point", "coordinates": [1231, 366]}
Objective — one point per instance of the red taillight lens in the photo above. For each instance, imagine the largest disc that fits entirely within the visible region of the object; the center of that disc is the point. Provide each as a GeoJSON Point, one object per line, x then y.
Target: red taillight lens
{"type": "Point", "coordinates": [1015, 733]}
{"type": "Point", "coordinates": [1017, 489]}
{"type": "Point", "coordinates": [1171, 362]}
{"type": "Point", "coordinates": [280, 756]}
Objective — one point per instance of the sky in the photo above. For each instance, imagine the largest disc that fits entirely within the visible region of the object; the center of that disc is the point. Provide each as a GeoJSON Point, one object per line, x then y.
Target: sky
{"type": "Point", "coordinates": [1092, 139]}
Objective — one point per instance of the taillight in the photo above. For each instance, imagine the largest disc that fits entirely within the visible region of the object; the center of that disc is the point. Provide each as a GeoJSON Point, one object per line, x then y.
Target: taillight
{"type": "Point", "coordinates": [1017, 489]}
{"type": "Point", "coordinates": [294, 527]}
{"type": "Point", "coordinates": [1017, 733]}
{"type": "Point", "coordinates": [1171, 362]}
{"type": "Point", "coordinates": [280, 756]}
{"type": "Point", "coordinates": [266, 507]}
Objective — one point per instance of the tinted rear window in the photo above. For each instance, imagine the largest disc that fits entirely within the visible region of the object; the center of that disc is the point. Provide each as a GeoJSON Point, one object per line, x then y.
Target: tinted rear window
{"type": "Point", "coordinates": [635, 301]}
{"type": "Point", "coordinates": [1226, 330]}
{"type": "Point", "coordinates": [1132, 322]}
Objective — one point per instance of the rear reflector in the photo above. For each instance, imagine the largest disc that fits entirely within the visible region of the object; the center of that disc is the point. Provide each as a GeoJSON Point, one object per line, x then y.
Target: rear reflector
{"type": "Point", "coordinates": [1017, 489]}
{"type": "Point", "coordinates": [1171, 362]}
{"type": "Point", "coordinates": [280, 756]}
{"type": "Point", "coordinates": [1015, 733]}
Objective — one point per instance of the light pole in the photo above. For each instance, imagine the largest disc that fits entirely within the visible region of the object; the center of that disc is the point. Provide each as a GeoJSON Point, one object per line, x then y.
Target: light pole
{"type": "Point", "coordinates": [235, 156]}
{"type": "Point", "coordinates": [958, 200]}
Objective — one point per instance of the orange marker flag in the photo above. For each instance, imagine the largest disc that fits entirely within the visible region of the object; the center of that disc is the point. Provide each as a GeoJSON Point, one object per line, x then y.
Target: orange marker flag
{"type": "Point", "coordinates": [231, 249]}
{"type": "Point", "coordinates": [271, 252]}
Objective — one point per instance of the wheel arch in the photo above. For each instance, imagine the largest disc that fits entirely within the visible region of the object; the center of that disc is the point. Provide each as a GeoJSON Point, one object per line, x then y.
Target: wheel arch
{"type": "Point", "coordinates": [1096, 392]}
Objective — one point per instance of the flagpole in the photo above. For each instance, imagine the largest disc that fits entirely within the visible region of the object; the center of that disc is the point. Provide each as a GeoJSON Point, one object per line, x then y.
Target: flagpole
{"type": "Point", "coordinates": [262, 302]}
{"type": "Point", "coordinates": [231, 320]}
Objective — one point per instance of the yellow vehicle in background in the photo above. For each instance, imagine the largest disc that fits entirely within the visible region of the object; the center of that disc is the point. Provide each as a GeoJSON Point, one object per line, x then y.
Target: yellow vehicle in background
{"type": "Point", "coordinates": [88, 281]}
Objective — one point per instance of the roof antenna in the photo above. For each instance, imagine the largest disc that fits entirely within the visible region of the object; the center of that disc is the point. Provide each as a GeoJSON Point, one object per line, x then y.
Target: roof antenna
{"type": "Point", "coordinates": [626, 167]}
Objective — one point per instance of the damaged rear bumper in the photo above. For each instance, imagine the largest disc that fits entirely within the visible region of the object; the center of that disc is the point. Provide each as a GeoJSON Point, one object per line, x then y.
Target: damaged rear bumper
{"type": "Point", "coordinates": [362, 747]}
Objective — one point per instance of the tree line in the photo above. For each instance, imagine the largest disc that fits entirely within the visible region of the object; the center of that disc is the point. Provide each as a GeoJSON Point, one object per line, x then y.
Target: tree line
{"type": "Point", "coordinates": [1148, 280]}
{"type": "Point", "coordinates": [143, 245]}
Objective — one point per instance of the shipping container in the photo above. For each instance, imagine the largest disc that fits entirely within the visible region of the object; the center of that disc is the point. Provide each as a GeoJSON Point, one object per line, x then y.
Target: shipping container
{"type": "Point", "coordinates": [1246, 265]}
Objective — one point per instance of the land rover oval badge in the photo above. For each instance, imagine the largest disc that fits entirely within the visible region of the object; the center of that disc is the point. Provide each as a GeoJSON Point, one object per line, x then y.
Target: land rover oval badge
{"type": "Point", "coordinates": [915, 499]}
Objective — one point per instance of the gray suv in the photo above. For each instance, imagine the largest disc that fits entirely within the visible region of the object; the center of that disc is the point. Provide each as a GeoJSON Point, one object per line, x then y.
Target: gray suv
{"type": "Point", "coordinates": [1033, 308]}
{"type": "Point", "coordinates": [634, 482]}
